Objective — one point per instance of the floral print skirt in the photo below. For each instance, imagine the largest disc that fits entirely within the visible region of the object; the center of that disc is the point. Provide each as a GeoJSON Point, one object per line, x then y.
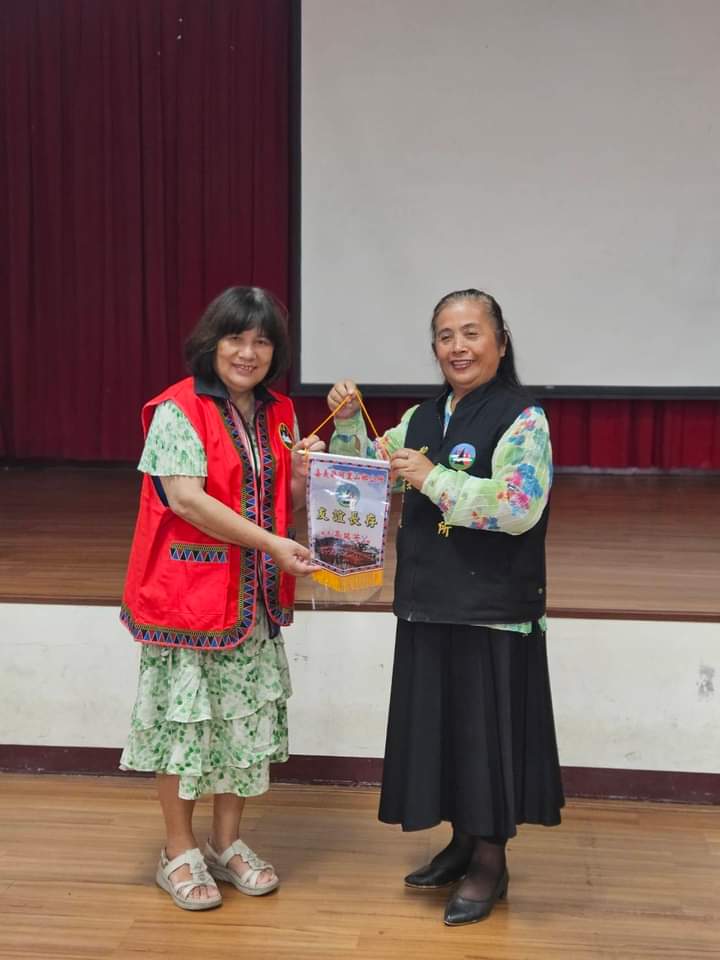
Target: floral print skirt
{"type": "Point", "coordinates": [217, 720]}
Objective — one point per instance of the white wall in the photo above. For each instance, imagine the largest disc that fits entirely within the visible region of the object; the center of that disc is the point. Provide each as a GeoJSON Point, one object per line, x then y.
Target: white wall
{"type": "Point", "coordinates": [627, 694]}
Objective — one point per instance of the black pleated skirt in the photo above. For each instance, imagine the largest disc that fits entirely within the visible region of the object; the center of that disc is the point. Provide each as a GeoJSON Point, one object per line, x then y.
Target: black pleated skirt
{"type": "Point", "coordinates": [471, 734]}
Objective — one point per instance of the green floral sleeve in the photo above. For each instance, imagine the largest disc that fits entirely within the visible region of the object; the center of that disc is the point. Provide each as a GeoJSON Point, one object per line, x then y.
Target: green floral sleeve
{"type": "Point", "coordinates": [172, 447]}
{"type": "Point", "coordinates": [350, 438]}
{"type": "Point", "coordinates": [513, 498]}
{"type": "Point", "coordinates": [525, 444]}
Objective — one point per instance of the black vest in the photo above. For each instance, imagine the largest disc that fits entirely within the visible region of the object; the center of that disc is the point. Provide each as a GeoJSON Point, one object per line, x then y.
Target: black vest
{"type": "Point", "coordinates": [470, 576]}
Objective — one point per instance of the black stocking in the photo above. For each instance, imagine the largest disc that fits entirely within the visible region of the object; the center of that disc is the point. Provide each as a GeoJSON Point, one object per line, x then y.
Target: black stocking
{"type": "Point", "coordinates": [487, 864]}
{"type": "Point", "coordinates": [456, 853]}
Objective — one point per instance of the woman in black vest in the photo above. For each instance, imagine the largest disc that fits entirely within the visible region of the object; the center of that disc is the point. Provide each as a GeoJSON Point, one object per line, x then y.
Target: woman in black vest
{"type": "Point", "coordinates": [471, 735]}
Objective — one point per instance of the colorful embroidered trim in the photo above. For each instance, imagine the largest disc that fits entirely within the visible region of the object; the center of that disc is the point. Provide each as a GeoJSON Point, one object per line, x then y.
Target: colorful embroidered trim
{"type": "Point", "coordinates": [271, 574]}
{"type": "Point", "coordinates": [199, 552]}
{"type": "Point", "coordinates": [149, 633]}
{"type": "Point", "coordinates": [257, 505]}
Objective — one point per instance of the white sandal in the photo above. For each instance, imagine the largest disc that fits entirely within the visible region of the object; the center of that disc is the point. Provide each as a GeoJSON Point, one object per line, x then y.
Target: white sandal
{"type": "Point", "coordinates": [182, 891]}
{"type": "Point", "coordinates": [247, 882]}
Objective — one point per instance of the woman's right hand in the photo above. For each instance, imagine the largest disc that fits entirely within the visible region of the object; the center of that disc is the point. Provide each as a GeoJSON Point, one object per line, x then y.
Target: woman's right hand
{"type": "Point", "coordinates": [292, 557]}
{"type": "Point", "coordinates": [341, 391]}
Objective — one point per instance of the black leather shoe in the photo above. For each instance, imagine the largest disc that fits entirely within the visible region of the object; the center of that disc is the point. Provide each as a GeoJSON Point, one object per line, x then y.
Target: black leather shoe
{"type": "Point", "coordinates": [430, 877]}
{"type": "Point", "coordinates": [460, 910]}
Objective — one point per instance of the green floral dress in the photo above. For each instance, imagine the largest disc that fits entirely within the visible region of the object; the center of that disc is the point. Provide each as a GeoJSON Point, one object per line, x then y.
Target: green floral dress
{"type": "Point", "coordinates": [217, 720]}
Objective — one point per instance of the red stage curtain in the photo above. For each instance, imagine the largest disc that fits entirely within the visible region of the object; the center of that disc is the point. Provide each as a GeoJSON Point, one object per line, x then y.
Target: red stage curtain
{"type": "Point", "coordinates": [144, 168]}
{"type": "Point", "coordinates": [604, 434]}
{"type": "Point", "coordinates": [642, 434]}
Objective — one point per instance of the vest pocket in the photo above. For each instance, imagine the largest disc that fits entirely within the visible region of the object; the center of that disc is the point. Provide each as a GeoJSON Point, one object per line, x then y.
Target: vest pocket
{"type": "Point", "coordinates": [193, 587]}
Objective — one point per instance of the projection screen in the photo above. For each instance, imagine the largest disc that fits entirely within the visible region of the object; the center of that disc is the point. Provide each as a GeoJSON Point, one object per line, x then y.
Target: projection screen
{"type": "Point", "coordinates": [563, 155]}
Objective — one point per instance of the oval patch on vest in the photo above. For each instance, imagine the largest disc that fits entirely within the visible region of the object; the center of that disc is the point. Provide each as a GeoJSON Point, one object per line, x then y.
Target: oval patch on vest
{"type": "Point", "coordinates": [462, 456]}
{"type": "Point", "coordinates": [285, 436]}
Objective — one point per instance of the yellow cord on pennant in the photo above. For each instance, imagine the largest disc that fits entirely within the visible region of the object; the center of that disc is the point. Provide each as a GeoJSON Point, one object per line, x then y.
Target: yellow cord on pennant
{"type": "Point", "coordinates": [347, 399]}
{"type": "Point", "coordinates": [329, 417]}
{"type": "Point", "coordinates": [369, 418]}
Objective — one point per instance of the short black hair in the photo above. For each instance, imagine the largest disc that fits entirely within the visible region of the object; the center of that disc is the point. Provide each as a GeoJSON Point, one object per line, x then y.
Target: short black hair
{"type": "Point", "coordinates": [233, 311]}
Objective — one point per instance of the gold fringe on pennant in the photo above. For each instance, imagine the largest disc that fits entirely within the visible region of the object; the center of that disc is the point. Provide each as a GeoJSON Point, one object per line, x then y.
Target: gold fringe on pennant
{"type": "Point", "coordinates": [344, 583]}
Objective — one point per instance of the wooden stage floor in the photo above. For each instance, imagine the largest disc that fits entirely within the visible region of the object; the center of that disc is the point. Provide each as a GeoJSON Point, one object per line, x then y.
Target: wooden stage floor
{"type": "Point", "coordinates": [617, 881]}
{"type": "Point", "coordinates": [634, 546]}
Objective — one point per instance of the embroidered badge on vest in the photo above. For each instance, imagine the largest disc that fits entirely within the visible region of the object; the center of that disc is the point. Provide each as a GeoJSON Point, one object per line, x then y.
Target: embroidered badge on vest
{"type": "Point", "coordinates": [285, 435]}
{"type": "Point", "coordinates": [462, 456]}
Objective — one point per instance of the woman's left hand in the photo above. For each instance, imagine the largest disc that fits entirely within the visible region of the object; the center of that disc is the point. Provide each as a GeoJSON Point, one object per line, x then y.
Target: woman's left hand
{"type": "Point", "coordinates": [411, 466]}
{"type": "Point", "coordinates": [311, 444]}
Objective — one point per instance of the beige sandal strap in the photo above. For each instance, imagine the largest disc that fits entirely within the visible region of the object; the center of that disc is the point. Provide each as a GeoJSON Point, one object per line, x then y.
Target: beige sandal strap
{"type": "Point", "coordinates": [250, 877]}
{"type": "Point", "coordinates": [185, 888]}
{"type": "Point", "coordinates": [201, 877]}
{"type": "Point", "coordinates": [240, 849]}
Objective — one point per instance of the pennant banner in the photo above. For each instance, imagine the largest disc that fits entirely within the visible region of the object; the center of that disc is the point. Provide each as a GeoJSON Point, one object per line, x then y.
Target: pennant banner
{"type": "Point", "coordinates": [348, 503]}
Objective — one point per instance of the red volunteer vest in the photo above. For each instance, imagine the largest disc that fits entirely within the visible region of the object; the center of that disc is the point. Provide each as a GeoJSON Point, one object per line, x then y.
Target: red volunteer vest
{"type": "Point", "coordinates": [184, 588]}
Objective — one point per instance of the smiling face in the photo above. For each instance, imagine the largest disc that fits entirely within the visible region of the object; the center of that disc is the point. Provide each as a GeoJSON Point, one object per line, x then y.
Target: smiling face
{"type": "Point", "coordinates": [466, 345]}
{"type": "Point", "coordinates": [242, 360]}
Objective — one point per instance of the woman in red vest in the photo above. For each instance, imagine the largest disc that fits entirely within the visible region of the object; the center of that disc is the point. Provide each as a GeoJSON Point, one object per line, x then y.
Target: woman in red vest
{"type": "Point", "coordinates": [210, 582]}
